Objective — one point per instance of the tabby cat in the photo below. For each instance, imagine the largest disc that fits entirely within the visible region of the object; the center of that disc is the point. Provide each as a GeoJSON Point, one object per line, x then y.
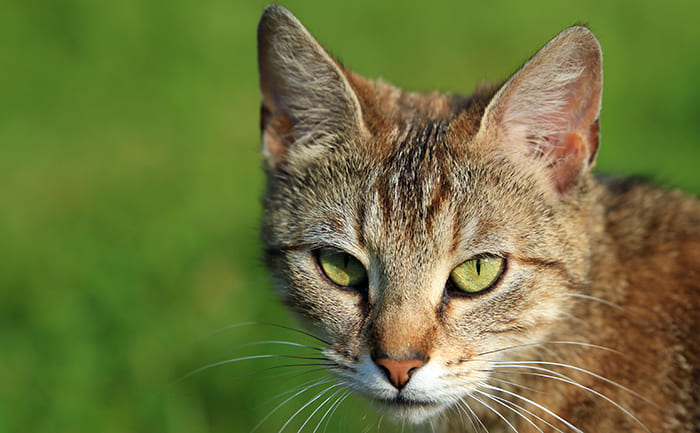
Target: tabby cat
{"type": "Point", "coordinates": [466, 269]}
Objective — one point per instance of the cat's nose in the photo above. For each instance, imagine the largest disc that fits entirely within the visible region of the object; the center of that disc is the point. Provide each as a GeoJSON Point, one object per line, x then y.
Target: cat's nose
{"type": "Point", "coordinates": [399, 372]}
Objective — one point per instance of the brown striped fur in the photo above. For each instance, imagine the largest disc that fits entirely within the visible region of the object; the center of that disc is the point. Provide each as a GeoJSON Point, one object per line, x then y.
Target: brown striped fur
{"type": "Point", "coordinates": [601, 288]}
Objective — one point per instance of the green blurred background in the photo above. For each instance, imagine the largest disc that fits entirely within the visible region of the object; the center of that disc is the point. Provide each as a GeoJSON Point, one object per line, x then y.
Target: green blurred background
{"type": "Point", "coordinates": [130, 182]}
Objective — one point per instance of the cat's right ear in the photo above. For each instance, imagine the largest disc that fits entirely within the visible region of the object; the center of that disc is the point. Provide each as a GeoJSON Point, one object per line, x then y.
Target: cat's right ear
{"type": "Point", "coordinates": [307, 101]}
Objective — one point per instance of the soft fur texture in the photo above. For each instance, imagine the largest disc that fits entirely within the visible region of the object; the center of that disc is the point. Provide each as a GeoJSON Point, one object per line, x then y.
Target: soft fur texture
{"type": "Point", "coordinates": [593, 325]}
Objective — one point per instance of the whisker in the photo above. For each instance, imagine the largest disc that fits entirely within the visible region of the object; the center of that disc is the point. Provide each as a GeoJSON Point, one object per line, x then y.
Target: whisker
{"type": "Point", "coordinates": [494, 411]}
{"type": "Point", "coordinates": [463, 411]}
{"type": "Point", "coordinates": [216, 364]}
{"type": "Point", "coordinates": [331, 409]}
{"type": "Point", "coordinates": [576, 343]}
{"type": "Point", "coordinates": [319, 395]}
{"type": "Point", "coordinates": [317, 383]}
{"type": "Point", "coordinates": [527, 400]}
{"type": "Point", "coordinates": [577, 319]}
{"type": "Point", "coordinates": [508, 382]}
{"type": "Point", "coordinates": [288, 328]}
{"type": "Point", "coordinates": [262, 370]}
{"type": "Point", "coordinates": [319, 408]}
{"type": "Point", "coordinates": [582, 370]}
{"type": "Point", "coordinates": [525, 410]}
{"type": "Point", "coordinates": [284, 343]}
{"type": "Point", "coordinates": [596, 299]}
{"type": "Point", "coordinates": [469, 417]}
{"type": "Point", "coordinates": [515, 411]}
{"type": "Point", "coordinates": [603, 396]}
{"type": "Point", "coordinates": [471, 411]}
{"type": "Point", "coordinates": [296, 388]}
{"type": "Point", "coordinates": [379, 423]}
{"type": "Point", "coordinates": [244, 358]}
{"type": "Point", "coordinates": [339, 403]}
{"type": "Point", "coordinates": [317, 368]}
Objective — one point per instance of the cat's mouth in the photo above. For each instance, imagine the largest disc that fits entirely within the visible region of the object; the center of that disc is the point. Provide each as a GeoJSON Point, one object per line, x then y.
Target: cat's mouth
{"type": "Point", "coordinates": [403, 401]}
{"type": "Point", "coordinates": [412, 410]}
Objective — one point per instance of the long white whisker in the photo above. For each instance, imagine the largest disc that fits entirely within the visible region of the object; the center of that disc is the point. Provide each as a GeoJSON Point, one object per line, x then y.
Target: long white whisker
{"type": "Point", "coordinates": [284, 343]}
{"type": "Point", "coordinates": [577, 343]}
{"type": "Point", "coordinates": [316, 367]}
{"type": "Point", "coordinates": [603, 396]}
{"type": "Point", "coordinates": [582, 370]}
{"type": "Point", "coordinates": [339, 403]}
{"type": "Point", "coordinates": [379, 423]}
{"type": "Point", "coordinates": [288, 328]}
{"type": "Point", "coordinates": [319, 395]}
{"type": "Point", "coordinates": [596, 299]}
{"type": "Point", "coordinates": [478, 420]}
{"type": "Point", "coordinates": [307, 385]}
{"type": "Point", "coordinates": [331, 409]}
{"type": "Point", "coordinates": [494, 411]}
{"type": "Point", "coordinates": [319, 367]}
{"type": "Point", "coordinates": [469, 417]}
{"type": "Point", "coordinates": [317, 383]}
{"type": "Point", "coordinates": [515, 411]}
{"type": "Point", "coordinates": [577, 319]}
{"type": "Point", "coordinates": [508, 382]}
{"type": "Point", "coordinates": [319, 408]}
{"type": "Point", "coordinates": [244, 358]}
{"type": "Point", "coordinates": [461, 411]}
{"type": "Point", "coordinates": [527, 400]}
{"type": "Point", "coordinates": [525, 410]}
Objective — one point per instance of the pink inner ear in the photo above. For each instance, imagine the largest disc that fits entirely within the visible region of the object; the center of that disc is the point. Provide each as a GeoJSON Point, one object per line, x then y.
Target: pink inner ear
{"type": "Point", "coordinates": [568, 158]}
{"type": "Point", "coordinates": [575, 149]}
{"type": "Point", "coordinates": [557, 127]}
{"type": "Point", "coordinates": [277, 134]}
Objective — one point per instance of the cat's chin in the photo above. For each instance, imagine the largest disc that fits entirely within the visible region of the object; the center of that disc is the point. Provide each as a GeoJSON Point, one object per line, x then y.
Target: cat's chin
{"type": "Point", "coordinates": [415, 412]}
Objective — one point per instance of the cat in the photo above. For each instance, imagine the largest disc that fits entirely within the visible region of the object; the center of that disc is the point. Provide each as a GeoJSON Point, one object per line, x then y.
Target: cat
{"type": "Point", "coordinates": [465, 268]}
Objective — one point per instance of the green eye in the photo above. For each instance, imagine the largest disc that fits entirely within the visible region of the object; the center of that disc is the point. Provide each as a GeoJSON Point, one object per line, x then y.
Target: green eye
{"type": "Point", "coordinates": [477, 274]}
{"type": "Point", "coordinates": [342, 268]}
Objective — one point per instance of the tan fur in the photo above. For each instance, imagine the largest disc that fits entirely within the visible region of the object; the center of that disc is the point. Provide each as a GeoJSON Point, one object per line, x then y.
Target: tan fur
{"type": "Point", "coordinates": [599, 298]}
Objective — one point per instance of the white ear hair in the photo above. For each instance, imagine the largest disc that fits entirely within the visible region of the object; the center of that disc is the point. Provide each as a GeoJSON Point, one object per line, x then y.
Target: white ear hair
{"type": "Point", "coordinates": [548, 110]}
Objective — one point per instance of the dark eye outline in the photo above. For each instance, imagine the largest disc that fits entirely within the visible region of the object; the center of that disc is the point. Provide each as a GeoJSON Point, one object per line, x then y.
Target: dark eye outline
{"type": "Point", "coordinates": [361, 287]}
{"type": "Point", "coordinates": [452, 290]}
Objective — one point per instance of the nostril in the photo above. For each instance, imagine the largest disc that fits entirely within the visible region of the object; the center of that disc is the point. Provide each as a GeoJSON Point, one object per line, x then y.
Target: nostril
{"type": "Point", "coordinates": [399, 372]}
{"type": "Point", "coordinates": [384, 370]}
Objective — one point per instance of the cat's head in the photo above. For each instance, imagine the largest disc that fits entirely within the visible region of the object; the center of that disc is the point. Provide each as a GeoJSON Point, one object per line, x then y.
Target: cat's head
{"type": "Point", "coordinates": [426, 234]}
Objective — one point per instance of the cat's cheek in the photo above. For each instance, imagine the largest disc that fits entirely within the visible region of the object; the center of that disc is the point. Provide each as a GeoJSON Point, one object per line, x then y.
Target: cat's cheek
{"type": "Point", "coordinates": [332, 313]}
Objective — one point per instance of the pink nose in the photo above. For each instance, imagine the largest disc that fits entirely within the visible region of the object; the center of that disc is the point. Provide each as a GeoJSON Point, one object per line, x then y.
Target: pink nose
{"type": "Point", "coordinates": [399, 372]}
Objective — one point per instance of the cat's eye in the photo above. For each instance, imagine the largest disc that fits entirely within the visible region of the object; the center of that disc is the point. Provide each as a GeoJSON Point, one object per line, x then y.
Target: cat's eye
{"type": "Point", "coordinates": [342, 268]}
{"type": "Point", "coordinates": [477, 274]}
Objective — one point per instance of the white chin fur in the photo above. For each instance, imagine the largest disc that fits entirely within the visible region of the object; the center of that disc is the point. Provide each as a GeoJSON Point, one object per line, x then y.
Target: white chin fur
{"type": "Point", "coordinates": [415, 414]}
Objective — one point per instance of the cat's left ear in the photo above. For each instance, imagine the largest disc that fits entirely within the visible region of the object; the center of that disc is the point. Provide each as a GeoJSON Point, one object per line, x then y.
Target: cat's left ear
{"type": "Point", "coordinates": [547, 112]}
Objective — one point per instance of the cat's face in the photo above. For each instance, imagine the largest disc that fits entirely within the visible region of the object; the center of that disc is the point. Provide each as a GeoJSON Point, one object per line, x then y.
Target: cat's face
{"type": "Point", "coordinates": [403, 228]}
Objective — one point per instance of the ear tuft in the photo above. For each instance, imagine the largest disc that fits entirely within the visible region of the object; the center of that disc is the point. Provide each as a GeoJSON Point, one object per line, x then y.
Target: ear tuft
{"type": "Point", "coordinates": [306, 98]}
{"type": "Point", "coordinates": [548, 110]}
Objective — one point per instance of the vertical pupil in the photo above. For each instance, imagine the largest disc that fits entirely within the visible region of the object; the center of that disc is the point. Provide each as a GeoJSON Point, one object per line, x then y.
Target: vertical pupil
{"type": "Point", "coordinates": [346, 260]}
{"type": "Point", "coordinates": [478, 266]}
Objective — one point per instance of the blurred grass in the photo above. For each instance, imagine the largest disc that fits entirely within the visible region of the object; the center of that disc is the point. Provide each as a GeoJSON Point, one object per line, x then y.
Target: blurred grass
{"type": "Point", "coordinates": [129, 183]}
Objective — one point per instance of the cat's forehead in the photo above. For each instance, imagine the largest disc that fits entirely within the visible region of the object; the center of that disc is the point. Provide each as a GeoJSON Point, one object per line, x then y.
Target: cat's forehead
{"type": "Point", "coordinates": [393, 115]}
